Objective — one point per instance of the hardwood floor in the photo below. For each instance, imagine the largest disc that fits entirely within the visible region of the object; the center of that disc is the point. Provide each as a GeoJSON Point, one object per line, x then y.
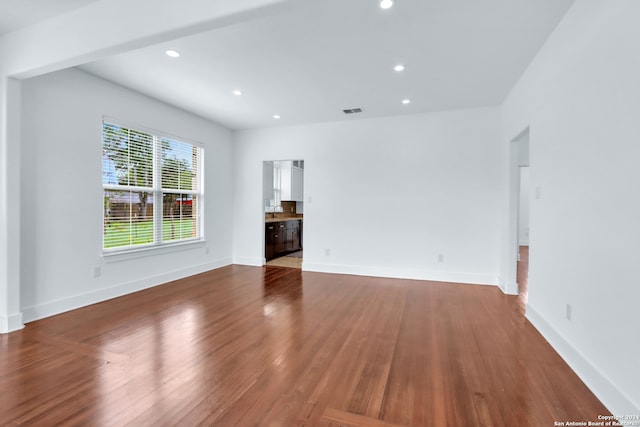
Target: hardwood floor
{"type": "Point", "coordinates": [281, 347]}
{"type": "Point", "coordinates": [522, 277]}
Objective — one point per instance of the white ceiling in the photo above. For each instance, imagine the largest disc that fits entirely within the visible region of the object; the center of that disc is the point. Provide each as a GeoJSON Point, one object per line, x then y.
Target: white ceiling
{"type": "Point", "coordinates": [311, 61]}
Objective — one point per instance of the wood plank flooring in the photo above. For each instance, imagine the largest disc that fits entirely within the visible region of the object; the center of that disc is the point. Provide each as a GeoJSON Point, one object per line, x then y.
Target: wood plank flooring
{"type": "Point", "coordinates": [244, 346]}
{"type": "Point", "coordinates": [522, 278]}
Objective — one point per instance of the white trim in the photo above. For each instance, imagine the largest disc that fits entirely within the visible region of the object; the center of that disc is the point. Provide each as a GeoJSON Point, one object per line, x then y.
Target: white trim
{"type": "Point", "coordinates": [178, 191]}
{"type": "Point", "coordinates": [52, 308]}
{"type": "Point", "coordinates": [609, 394]}
{"type": "Point", "coordinates": [400, 273]}
{"type": "Point", "coordinates": [511, 288]}
{"type": "Point", "coordinates": [158, 199]}
{"type": "Point", "coordinates": [141, 251]}
{"type": "Point", "coordinates": [124, 188]}
{"type": "Point", "coordinates": [11, 323]}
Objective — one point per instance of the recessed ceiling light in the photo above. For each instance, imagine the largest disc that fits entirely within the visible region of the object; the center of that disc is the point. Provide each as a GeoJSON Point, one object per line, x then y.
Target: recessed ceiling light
{"type": "Point", "coordinates": [386, 4]}
{"type": "Point", "coordinates": [399, 67]}
{"type": "Point", "coordinates": [172, 53]}
{"type": "Point", "coordinates": [237, 92]}
{"type": "Point", "coordinates": [406, 101]}
{"type": "Point", "coordinates": [275, 116]}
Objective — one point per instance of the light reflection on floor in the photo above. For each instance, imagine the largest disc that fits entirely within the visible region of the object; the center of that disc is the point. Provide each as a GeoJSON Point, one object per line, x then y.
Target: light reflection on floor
{"type": "Point", "coordinates": [154, 368]}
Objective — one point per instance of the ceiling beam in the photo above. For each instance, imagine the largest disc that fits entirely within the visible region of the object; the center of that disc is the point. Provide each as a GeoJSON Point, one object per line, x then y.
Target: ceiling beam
{"type": "Point", "coordinates": [109, 27]}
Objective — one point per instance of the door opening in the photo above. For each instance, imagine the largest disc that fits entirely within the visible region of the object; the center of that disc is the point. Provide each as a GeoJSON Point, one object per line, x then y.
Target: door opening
{"type": "Point", "coordinates": [283, 205]}
{"type": "Point", "coordinates": [519, 229]}
{"type": "Point", "coordinates": [522, 270]}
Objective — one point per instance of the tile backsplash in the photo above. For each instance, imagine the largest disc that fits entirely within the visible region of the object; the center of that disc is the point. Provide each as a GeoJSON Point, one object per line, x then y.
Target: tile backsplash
{"type": "Point", "coordinates": [289, 209]}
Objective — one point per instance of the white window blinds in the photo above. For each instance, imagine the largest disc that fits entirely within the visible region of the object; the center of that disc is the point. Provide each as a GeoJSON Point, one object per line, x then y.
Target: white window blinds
{"type": "Point", "coordinates": [152, 189]}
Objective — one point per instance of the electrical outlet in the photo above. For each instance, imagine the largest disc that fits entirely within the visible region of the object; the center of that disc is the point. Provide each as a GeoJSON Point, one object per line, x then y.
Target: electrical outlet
{"type": "Point", "coordinates": [538, 193]}
{"type": "Point", "coordinates": [96, 271]}
{"type": "Point", "coordinates": [327, 252]}
{"type": "Point", "coordinates": [206, 250]}
{"type": "Point", "coordinates": [568, 311]}
{"type": "Point", "coordinates": [440, 257]}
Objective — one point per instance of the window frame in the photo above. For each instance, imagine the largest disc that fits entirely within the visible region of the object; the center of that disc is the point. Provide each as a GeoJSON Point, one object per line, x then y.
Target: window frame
{"type": "Point", "coordinates": [158, 193]}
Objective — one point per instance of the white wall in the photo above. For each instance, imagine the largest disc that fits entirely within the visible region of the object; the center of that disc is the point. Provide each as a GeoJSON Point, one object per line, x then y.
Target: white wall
{"type": "Point", "coordinates": [385, 196]}
{"type": "Point", "coordinates": [580, 99]}
{"type": "Point", "coordinates": [61, 206]}
{"type": "Point", "coordinates": [10, 98]}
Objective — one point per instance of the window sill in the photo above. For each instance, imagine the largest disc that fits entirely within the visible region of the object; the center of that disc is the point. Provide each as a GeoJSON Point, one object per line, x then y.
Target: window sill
{"type": "Point", "coordinates": [128, 254]}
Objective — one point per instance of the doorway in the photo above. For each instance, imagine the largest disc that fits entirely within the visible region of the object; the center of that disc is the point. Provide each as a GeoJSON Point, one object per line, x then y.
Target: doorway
{"type": "Point", "coordinates": [519, 214]}
{"type": "Point", "coordinates": [522, 269]}
{"type": "Point", "coordinates": [283, 205]}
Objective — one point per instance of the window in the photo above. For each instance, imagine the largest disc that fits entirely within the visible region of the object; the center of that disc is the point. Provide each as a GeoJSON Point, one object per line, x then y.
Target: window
{"type": "Point", "coordinates": [152, 189]}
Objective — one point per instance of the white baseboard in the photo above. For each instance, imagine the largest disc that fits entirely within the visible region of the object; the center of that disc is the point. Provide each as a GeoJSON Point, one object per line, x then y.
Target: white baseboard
{"type": "Point", "coordinates": [507, 288]}
{"type": "Point", "coordinates": [52, 308]}
{"type": "Point", "coordinates": [11, 323]}
{"type": "Point", "coordinates": [502, 284]}
{"type": "Point", "coordinates": [511, 288]}
{"type": "Point", "coordinates": [256, 262]}
{"type": "Point", "coordinates": [611, 396]}
{"type": "Point", "coordinates": [400, 273]}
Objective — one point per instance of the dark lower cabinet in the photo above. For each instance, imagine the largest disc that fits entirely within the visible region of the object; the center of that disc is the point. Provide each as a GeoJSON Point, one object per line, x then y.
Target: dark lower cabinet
{"type": "Point", "coordinates": [292, 240]}
{"type": "Point", "coordinates": [274, 239]}
{"type": "Point", "coordinates": [282, 237]}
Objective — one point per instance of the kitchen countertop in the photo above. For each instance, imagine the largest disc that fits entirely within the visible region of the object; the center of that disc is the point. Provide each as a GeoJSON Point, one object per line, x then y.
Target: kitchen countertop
{"type": "Point", "coordinates": [292, 218]}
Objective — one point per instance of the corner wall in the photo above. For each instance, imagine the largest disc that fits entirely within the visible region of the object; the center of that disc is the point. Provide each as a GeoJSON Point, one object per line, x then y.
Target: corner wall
{"type": "Point", "coordinates": [579, 98]}
{"type": "Point", "coordinates": [385, 196]}
{"type": "Point", "coordinates": [61, 222]}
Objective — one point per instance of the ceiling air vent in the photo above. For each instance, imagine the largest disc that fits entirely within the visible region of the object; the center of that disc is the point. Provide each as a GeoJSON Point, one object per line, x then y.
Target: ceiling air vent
{"type": "Point", "coordinates": [352, 110]}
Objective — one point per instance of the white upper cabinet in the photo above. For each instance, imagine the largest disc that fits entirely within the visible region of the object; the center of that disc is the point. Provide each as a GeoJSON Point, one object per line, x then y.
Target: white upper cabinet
{"type": "Point", "coordinates": [291, 180]}
{"type": "Point", "coordinates": [267, 181]}
{"type": "Point", "coordinates": [297, 184]}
